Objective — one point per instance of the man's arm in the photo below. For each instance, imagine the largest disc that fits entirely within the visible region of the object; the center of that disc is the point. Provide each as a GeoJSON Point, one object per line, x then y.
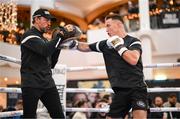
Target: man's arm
{"type": "Point", "coordinates": [131, 56]}
{"type": "Point", "coordinates": [133, 53]}
{"type": "Point", "coordinates": [76, 45]}
{"type": "Point", "coordinates": [54, 58]}
{"type": "Point", "coordinates": [38, 45]}
{"type": "Point", "coordinates": [83, 47]}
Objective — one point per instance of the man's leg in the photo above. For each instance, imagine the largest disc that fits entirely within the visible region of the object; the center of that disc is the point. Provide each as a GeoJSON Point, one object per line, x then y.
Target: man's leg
{"type": "Point", "coordinates": [139, 114]}
{"type": "Point", "coordinates": [51, 101]}
{"type": "Point", "coordinates": [139, 103]}
{"type": "Point", "coordinates": [120, 105]}
{"type": "Point", "coordinates": [30, 98]}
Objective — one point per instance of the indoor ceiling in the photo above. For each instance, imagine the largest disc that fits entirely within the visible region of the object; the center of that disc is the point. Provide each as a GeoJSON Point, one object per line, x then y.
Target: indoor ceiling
{"type": "Point", "coordinates": [77, 7]}
{"type": "Point", "coordinates": [81, 12]}
{"type": "Point", "coordinates": [84, 6]}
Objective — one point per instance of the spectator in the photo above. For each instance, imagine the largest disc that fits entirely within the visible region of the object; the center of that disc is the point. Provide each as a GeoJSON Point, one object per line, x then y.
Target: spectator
{"type": "Point", "coordinates": [19, 105]}
{"type": "Point", "coordinates": [158, 102]}
{"type": "Point", "coordinates": [100, 104]}
{"type": "Point", "coordinates": [80, 96]}
{"type": "Point", "coordinates": [108, 97]}
{"type": "Point", "coordinates": [93, 97]}
{"type": "Point", "coordinates": [80, 115]}
{"type": "Point", "coordinates": [172, 102]}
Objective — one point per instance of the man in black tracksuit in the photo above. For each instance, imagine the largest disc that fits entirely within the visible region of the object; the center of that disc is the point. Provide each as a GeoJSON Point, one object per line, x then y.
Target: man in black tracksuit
{"type": "Point", "coordinates": [122, 56]}
{"type": "Point", "coordinates": [38, 56]}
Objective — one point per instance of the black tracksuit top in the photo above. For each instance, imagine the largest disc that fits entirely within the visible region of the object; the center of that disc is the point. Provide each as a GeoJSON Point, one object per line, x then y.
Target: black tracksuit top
{"type": "Point", "coordinates": [38, 57]}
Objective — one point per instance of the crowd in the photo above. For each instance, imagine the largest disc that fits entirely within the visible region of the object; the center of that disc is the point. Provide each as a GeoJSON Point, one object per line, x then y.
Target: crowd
{"type": "Point", "coordinates": [89, 100]}
{"type": "Point", "coordinates": [96, 100]}
{"type": "Point", "coordinates": [102, 100]}
{"type": "Point", "coordinates": [158, 102]}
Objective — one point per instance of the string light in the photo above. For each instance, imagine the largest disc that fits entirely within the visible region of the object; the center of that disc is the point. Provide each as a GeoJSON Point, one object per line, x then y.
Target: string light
{"type": "Point", "coordinates": [5, 79]}
{"type": "Point", "coordinates": [8, 15]}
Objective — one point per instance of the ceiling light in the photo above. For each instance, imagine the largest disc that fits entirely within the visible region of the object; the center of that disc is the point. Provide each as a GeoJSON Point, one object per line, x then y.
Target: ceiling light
{"type": "Point", "coordinates": [160, 77]}
{"type": "Point", "coordinates": [5, 79]}
{"type": "Point", "coordinates": [17, 82]}
{"type": "Point", "coordinates": [62, 23]}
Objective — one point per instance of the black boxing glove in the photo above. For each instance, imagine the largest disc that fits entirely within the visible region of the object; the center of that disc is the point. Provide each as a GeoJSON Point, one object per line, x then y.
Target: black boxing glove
{"type": "Point", "coordinates": [72, 31]}
{"type": "Point", "coordinates": [59, 32]}
{"type": "Point", "coordinates": [68, 33]}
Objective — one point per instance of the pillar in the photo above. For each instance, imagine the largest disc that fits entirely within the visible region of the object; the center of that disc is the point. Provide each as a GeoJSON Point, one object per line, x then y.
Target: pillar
{"type": "Point", "coordinates": [144, 36]}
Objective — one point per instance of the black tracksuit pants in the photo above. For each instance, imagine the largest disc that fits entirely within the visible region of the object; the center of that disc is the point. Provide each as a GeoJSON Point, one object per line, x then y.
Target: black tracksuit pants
{"type": "Point", "coordinates": [49, 97]}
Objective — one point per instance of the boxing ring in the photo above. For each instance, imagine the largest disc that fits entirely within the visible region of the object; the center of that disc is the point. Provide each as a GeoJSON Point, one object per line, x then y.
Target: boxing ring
{"type": "Point", "coordinates": [88, 90]}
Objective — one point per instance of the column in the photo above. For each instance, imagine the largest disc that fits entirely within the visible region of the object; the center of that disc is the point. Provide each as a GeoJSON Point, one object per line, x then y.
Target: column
{"type": "Point", "coordinates": [144, 14]}
{"type": "Point", "coordinates": [147, 55]}
{"type": "Point", "coordinates": [144, 36]}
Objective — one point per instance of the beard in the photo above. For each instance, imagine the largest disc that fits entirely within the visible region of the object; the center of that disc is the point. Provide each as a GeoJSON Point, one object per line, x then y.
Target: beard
{"type": "Point", "coordinates": [159, 105]}
{"type": "Point", "coordinates": [45, 29]}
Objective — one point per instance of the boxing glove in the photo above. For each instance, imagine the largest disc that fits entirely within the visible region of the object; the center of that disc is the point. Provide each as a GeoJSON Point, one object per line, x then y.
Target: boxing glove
{"type": "Point", "coordinates": [117, 43]}
{"type": "Point", "coordinates": [71, 44]}
{"type": "Point", "coordinates": [67, 33]}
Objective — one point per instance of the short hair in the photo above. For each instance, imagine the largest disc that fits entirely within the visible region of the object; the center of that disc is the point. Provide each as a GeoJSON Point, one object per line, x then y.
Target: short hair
{"type": "Point", "coordinates": [33, 19]}
{"type": "Point", "coordinates": [171, 95]}
{"type": "Point", "coordinates": [79, 103]}
{"type": "Point", "coordinates": [114, 16]}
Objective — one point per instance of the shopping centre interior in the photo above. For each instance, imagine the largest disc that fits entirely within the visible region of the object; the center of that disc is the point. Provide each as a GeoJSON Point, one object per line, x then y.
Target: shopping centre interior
{"type": "Point", "coordinates": [155, 22]}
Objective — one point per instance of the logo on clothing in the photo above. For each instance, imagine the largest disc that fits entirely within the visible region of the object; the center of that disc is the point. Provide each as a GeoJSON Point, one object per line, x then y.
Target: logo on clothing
{"type": "Point", "coordinates": [141, 104]}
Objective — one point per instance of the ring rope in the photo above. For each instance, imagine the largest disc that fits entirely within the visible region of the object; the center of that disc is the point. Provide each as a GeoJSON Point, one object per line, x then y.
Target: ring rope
{"type": "Point", "coordinates": [99, 90]}
{"type": "Point", "coordinates": [10, 90]}
{"type": "Point", "coordinates": [20, 112]}
{"type": "Point", "coordinates": [71, 69]}
{"type": "Point", "coordinates": [163, 109]}
{"type": "Point", "coordinates": [73, 90]}
{"type": "Point", "coordinates": [17, 113]}
{"type": "Point", "coordinates": [93, 90]}
{"type": "Point", "coordinates": [10, 59]}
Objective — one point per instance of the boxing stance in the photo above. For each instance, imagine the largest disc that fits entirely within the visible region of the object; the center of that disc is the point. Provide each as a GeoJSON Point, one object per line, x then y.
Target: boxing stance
{"type": "Point", "coordinates": [39, 56]}
{"type": "Point", "coordinates": [122, 56]}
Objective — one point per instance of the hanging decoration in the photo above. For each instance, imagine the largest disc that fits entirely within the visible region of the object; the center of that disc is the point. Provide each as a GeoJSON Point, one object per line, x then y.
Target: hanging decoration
{"type": "Point", "coordinates": [8, 15]}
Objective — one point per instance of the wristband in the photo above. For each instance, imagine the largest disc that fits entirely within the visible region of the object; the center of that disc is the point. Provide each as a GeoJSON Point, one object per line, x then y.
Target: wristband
{"type": "Point", "coordinates": [122, 50]}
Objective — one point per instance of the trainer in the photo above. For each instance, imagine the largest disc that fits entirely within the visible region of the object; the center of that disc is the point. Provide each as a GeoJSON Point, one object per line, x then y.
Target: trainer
{"type": "Point", "coordinates": [39, 56]}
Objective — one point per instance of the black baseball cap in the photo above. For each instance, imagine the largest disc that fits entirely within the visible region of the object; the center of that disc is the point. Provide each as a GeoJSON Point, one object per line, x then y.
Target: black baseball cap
{"type": "Point", "coordinates": [43, 13]}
